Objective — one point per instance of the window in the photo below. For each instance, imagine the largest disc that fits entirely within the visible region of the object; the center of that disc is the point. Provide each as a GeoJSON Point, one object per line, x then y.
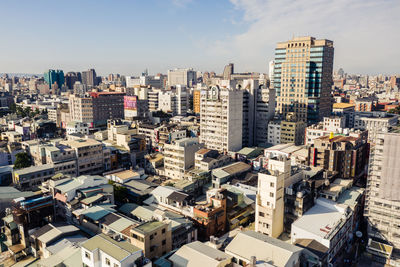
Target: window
{"type": "Point", "coordinates": [108, 261]}
{"type": "Point", "coordinates": [261, 214]}
{"type": "Point", "coordinates": [151, 237]}
{"type": "Point", "coordinates": [163, 231]}
{"type": "Point", "coordinates": [271, 194]}
{"type": "Point", "coordinates": [164, 242]}
{"type": "Point", "coordinates": [87, 255]}
{"type": "Point", "coordinates": [116, 265]}
{"type": "Point", "coordinates": [271, 185]}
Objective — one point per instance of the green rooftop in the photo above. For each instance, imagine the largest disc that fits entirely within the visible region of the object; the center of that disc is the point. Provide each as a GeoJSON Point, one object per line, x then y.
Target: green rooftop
{"type": "Point", "coordinates": [116, 249]}
{"type": "Point", "coordinates": [148, 227]}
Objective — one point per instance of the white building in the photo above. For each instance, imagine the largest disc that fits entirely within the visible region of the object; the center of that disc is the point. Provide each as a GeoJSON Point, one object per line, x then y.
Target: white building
{"type": "Point", "coordinates": [182, 76]}
{"type": "Point", "coordinates": [175, 102]}
{"type": "Point", "coordinates": [221, 117]}
{"type": "Point", "coordinates": [179, 156]}
{"type": "Point", "coordinates": [102, 250]}
{"type": "Point", "coordinates": [374, 122]}
{"type": "Point", "coordinates": [274, 132]}
{"type": "Point", "coordinates": [74, 127]}
{"type": "Point", "coordinates": [328, 223]}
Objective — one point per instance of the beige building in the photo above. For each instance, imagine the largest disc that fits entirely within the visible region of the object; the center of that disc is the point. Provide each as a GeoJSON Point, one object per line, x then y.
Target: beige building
{"type": "Point", "coordinates": [81, 109]}
{"type": "Point", "coordinates": [293, 132]}
{"type": "Point", "coordinates": [270, 197]}
{"type": "Point", "coordinates": [179, 157]}
{"type": "Point", "coordinates": [303, 78]}
{"type": "Point", "coordinates": [89, 155]}
{"type": "Point", "coordinates": [221, 118]}
{"type": "Point", "coordinates": [154, 238]}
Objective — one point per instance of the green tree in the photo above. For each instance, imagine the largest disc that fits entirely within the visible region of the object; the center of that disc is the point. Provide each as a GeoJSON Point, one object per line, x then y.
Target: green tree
{"type": "Point", "coordinates": [13, 108]}
{"type": "Point", "coordinates": [395, 110]}
{"type": "Point", "coordinates": [120, 192]}
{"type": "Point", "coordinates": [28, 112]}
{"type": "Point", "coordinates": [22, 160]}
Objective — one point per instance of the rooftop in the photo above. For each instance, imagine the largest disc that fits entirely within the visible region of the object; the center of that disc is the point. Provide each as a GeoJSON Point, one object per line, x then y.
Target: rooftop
{"type": "Point", "coordinates": [119, 250]}
{"type": "Point", "coordinates": [322, 219]}
{"type": "Point", "coordinates": [32, 169]}
{"type": "Point", "coordinates": [198, 254]}
{"type": "Point", "coordinates": [265, 248]}
{"type": "Point", "coordinates": [148, 227]}
{"type": "Point", "coordinates": [342, 105]}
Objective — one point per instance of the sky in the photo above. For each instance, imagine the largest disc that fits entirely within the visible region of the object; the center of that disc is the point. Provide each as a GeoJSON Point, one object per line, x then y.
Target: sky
{"type": "Point", "coordinates": [128, 36]}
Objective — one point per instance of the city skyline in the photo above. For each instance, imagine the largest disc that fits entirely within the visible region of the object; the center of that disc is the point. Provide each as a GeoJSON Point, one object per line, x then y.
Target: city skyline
{"type": "Point", "coordinates": [193, 35]}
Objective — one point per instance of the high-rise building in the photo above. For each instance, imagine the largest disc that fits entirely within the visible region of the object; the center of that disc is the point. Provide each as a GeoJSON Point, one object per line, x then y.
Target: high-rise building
{"type": "Point", "coordinates": [79, 88]}
{"type": "Point", "coordinates": [271, 69]}
{"type": "Point", "coordinates": [54, 76]}
{"type": "Point", "coordinates": [303, 78]}
{"type": "Point", "coordinates": [89, 77]}
{"type": "Point", "coordinates": [196, 101]}
{"type": "Point", "coordinates": [221, 118]}
{"type": "Point", "coordinates": [382, 202]}
{"type": "Point", "coordinates": [71, 78]}
{"type": "Point", "coordinates": [96, 108]}
{"type": "Point", "coordinates": [228, 71]}
{"type": "Point", "coordinates": [186, 77]}
{"type": "Point", "coordinates": [175, 102]}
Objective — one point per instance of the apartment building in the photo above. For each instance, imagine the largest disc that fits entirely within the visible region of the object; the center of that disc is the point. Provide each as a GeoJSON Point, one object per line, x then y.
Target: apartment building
{"type": "Point", "coordinates": [180, 156]}
{"type": "Point", "coordinates": [103, 250]}
{"type": "Point", "coordinates": [270, 197]}
{"type": "Point", "coordinates": [76, 127]}
{"type": "Point", "coordinates": [303, 78]}
{"type": "Point", "coordinates": [81, 109]}
{"type": "Point", "coordinates": [221, 118]}
{"type": "Point", "coordinates": [153, 237]}
{"type": "Point", "coordinates": [175, 102]}
{"type": "Point", "coordinates": [382, 203]}
{"type": "Point", "coordinates": [326, 222]}
{"type": "Point", "coordinates": [374, 123]}
{"type": "Point", "coordinates": [346, 155]}
{"type": "Point", "coordinates": [186, 77]}
{"type": "Point", "coordinates": [30, 178]}
{"type": "Point", "coordinates": [89, 155]}
{"type": "Point", "coordinates": [292, 131]}
{"type": "Point", "coordinates": [207, 159]}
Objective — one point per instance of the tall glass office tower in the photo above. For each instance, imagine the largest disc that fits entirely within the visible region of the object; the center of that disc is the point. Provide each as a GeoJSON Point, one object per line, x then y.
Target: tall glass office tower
{"type": "Point", "coordinates": [53, 76]}
{"type": "Point", "coordinates": [303, 78]}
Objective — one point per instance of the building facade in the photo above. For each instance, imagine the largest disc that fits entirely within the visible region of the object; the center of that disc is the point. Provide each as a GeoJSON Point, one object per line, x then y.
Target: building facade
{"type": "Point", "coordinates": [303, 78]}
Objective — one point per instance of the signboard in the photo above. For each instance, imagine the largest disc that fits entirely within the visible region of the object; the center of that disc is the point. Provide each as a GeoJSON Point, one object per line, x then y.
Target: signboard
{"type": "Point", "coordinates": [130, 102]}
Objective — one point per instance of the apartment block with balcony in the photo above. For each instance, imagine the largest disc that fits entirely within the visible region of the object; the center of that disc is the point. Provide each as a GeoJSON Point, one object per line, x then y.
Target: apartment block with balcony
{"type": "Point", "coordinates": [180, 156]}
{"type": "Point", "coordinates": [221, 118]}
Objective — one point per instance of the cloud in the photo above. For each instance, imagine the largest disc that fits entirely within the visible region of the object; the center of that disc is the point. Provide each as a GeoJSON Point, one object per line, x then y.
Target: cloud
{"type": "Point", "coordinates": [180, 3]}
{"type": "Point", "coordinates": [365, 32]}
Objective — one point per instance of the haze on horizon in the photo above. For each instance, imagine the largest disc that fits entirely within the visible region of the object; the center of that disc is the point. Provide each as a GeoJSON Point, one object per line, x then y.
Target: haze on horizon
{"type": "Point", "coordinates": [127, 37]}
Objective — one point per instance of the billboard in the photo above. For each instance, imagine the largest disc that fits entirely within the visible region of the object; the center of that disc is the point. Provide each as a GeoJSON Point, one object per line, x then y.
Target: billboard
{"type": "Point", "coordinates": [130, 102]}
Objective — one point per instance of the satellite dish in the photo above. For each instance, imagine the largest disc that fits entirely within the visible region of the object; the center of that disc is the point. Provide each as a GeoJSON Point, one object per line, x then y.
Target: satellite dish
{"type": "Point", "coordinates": [359, 234]}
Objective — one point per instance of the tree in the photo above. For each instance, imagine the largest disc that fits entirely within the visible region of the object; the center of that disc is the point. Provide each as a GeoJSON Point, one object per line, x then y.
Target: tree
{"type": "Point", "coordinates": [22, 160]}
{"type": "Point", "coordinates": [395, 110]}
{"type": "Point", "coordinates": [28, 112]}
{"type": "Point", "coordinates": [120, 192]}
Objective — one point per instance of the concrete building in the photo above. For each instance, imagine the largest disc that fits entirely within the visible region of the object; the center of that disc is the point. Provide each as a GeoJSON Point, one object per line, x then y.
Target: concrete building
{"type": "Point", "coordinates": [207, 159]}
{"type": "Point", "coordinates": [221, 119]}
{"type": "Point", "coordinates": [89, 78]}
{"type": "Point", "coordinates": [270, 197]}
{"type": "Point", "coordinates": [182, 76]}
{"type": "Point", "coordinates": [382, 198]}
{"type": "Point", "coordinates": [249, 248]}
{"type": "Point", "coordinates": [180, 156]}
{"type": "Point", "coordinates": [197, 252]}
{"type": "Point", "coordinates": [346, 155]}
{"type": "Point", "coordinates": [374, 123]}
{"type": "Point", "coordinates": [175, 102]}
{"type": "Point", "coordinates": [154, 238]}
{"type": "Point", "coordinates": [89, 155]}
{"type": "Point", "coordinates": [31, 177]}
{"type": "Point", "coordinates": [274, 132]}
{"type": "Point", "coordinates": [102, 250]}
{"type": "Point", "coordinates": [293, 131]}
{"type": "Point", "coordinates": [81, 109]}
{"type": "Point", "coordinates": [75, 127]}
{"type": "Point", "coordinates": [346, 110]}
{"type": "Point", "coordinates": [196, 101]}
{"type": "Point", "coordinates": [303, 78]}
{"type": "Point", "coordinates": [328, 223]}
